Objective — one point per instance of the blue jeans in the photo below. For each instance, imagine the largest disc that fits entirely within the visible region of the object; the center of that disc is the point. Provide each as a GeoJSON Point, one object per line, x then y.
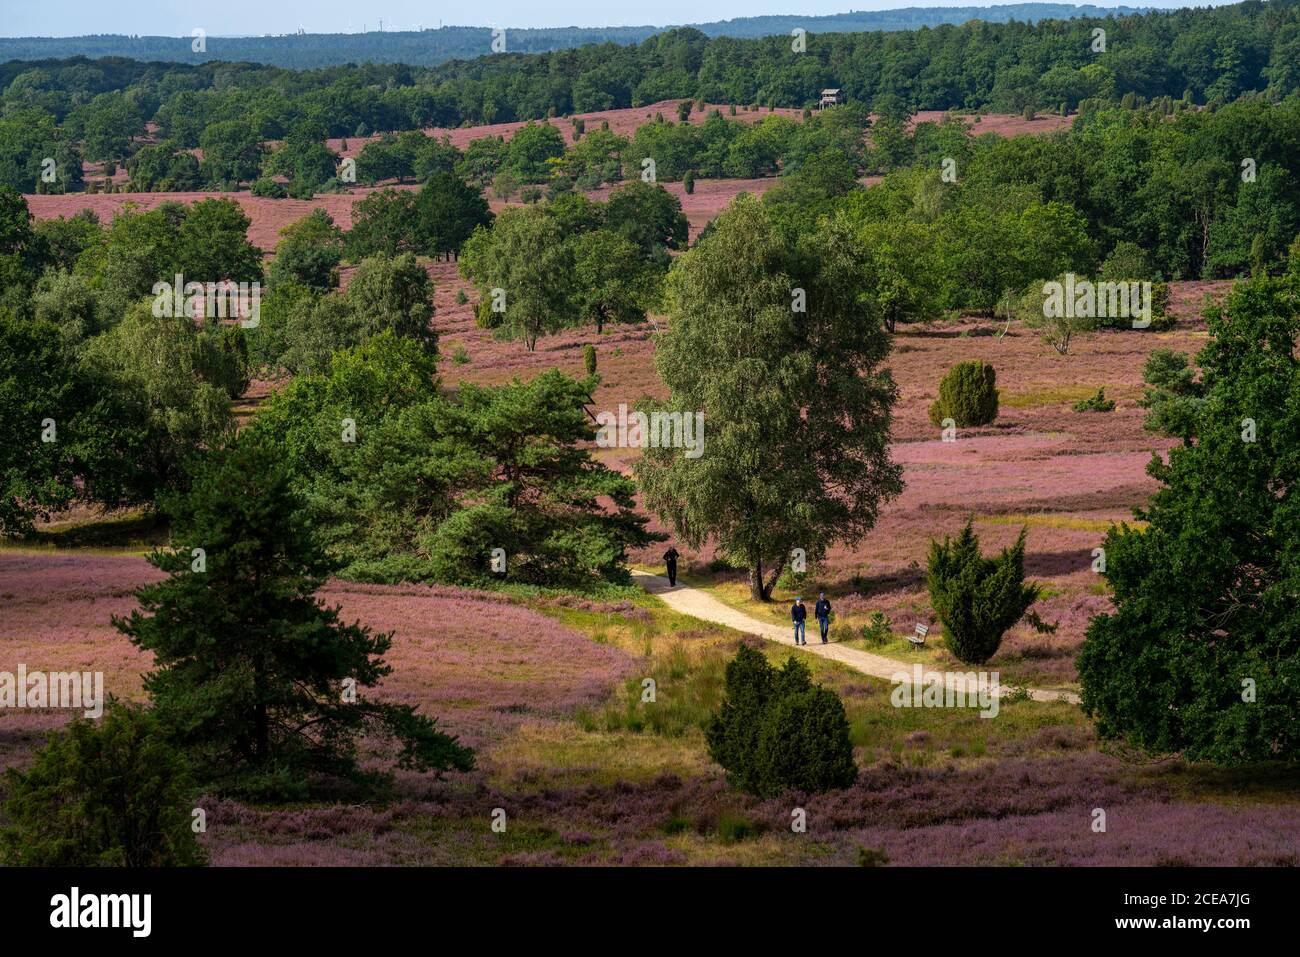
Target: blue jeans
{"type": "Point", "coordinates": [825, 624]}
{"type": "Point", "coordinates": [799, 638]}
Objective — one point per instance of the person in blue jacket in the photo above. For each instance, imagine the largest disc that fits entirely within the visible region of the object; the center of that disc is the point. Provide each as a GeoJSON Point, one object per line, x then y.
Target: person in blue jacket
{"type": "Point", "coordinates": [797, 614]}
{"type": "Point", "coordinates": [822, 612]}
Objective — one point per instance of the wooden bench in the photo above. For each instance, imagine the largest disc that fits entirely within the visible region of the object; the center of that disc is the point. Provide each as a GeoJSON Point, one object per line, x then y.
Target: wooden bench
{"type": "Point", "coordinates": [917, 638]}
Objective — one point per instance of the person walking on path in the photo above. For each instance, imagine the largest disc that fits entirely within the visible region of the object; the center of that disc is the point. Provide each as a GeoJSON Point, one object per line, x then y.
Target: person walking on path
{"type": "Point", "coordinates": [822, 611]}
{"type": "Point", "coordinates": [670, 559]}
{"type": "Point", "coordinates": [798, 613]}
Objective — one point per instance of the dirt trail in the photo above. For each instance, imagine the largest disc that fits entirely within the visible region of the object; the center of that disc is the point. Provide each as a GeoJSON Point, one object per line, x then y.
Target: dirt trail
{"type": "Point", "coordinates": [700, 604]}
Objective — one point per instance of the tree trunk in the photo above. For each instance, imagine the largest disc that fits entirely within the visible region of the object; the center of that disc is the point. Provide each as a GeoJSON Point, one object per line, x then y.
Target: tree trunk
{"type": "Point", "coordinates": [761, 590]}
{"type": "Point", "coordinates": [777, 568]}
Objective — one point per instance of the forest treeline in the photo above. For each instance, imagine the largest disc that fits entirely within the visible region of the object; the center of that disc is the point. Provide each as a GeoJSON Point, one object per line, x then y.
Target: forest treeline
{"type": "Point", "coordinates": [429, 47]}
{"type": "Point", "coordinates": [1211, 54]}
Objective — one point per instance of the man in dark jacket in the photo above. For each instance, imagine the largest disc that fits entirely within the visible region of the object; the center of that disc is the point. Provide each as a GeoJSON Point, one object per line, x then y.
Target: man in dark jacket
{"type": "Point", "coordinates": [822, 612]}
{"type": "Point", "coordinates": [670, 559]}
{"type": "Point", "coordinates": [797, 614]}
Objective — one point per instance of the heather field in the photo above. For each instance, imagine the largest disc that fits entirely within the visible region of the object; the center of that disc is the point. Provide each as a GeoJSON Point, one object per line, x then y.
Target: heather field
{"type": "Point", "coordinates": [548, 688]}
{"type": "Point", "coordinates": [547, 691]}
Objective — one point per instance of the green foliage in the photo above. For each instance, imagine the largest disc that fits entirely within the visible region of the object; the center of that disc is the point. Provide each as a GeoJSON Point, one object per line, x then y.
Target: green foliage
{"type": "Point", "coordinates": [872, 857]}
{"type": "Point", "coordinates": [21, 250]}
{"type": "Point", "coordinates": [431, 485]}
{"type": "Point", "coordinates": [66, 238]}
{"type": "Point", "coordinates": [1173, 395]}
{"type": "Point", "coordinates": [968, 395]}
{"type": "Point", "coordinates": [447, 211]}
{"type": "Point", "coordinates": [384, 223]}
{"type": "Point", "coordinates": [880, 629]}
{"type": "Point", "coordinates": [36, 388]}
{"type": "Point", "coordinates": [1127, 261]}
{"type": "Point", "coordinates": [302, 331]}
{"type": "Point", "coordinates": [303, 159]}
{"type": "Point", "coordinates": [232, 152]}
{"type": "Point", "coordinates": [267, 188]}
{"type": "Point", "coordinates": [108, 794]}
{"type": "Point", "coordinates": [649, 216]}
{"type": "Point", "coordinates": [614, 283]}
{"type": "Point", "coordinates": [163, 168]}
{"type": "Point", "coordinates": [27, 139]}
{"type": "Point", "coordinates": [525, 255]}
{"type": "Point", "coordinates": [772, 383]}
{"type": "Point", "coordinates": [309, 253]}
{"type": "Point", "coordinates": [170, 383]}
{"type": "Point", "coordinates": [1095, 403]}
{"type": "Point", "coordinates": [977, 598]}
{"type": "Point", "coordinates": [777, 731]}
{"type": "Point", "coordinates": [530, 150]}
{"type": "Point", "coordinates": [1198, 656]}
{"type": "Point", "coordinates": [251, 672]}
{"type": "Point", "coordinates": [589, 359]}
{"type": "Point", "coordinates": [212, 244]}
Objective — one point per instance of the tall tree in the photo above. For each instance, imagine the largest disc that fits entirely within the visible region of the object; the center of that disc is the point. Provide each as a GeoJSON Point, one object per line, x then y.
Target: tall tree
{"type": "Point", "coordinates": [1200, 654]}
{"type": "Point", "coordinates": [260, 682]}
{"type": "Point", "coordinates": [447, 212]}
{"type": "Point", "coordinates": [524, 273]}
{"type": "Point", "coordinates": [766, 340]}
{"type": "Point", "coordinates": [614, 282]}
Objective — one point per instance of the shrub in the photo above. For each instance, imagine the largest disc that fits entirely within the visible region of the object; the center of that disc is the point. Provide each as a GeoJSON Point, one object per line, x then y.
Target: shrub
{"type": "Point", "coordinates": [733, 828]}
{"type": "Point", "coordinates": [688, 182]}
{"type": "Point", "coordinates": [267, 188]}
{"type": "Point", "coordinates": [589, 358]}
{"type": "Point", "coordinates": [977, 598]}
{"type": "Point", "coordinates": [462, 297]}
{"type": "Point", "coordinates": [879, 630]}
{"type": "Point", "coordinates": [776, 730]}
{"type": "Point", "coordinates": [872, 857]}
{"type": "Point", "coordinates": [1095, 403]}
{"type": "Point", "coordinates": [967, 394]}
{"type": "Point", "coordinates": [1127, 261]}
{"type": "Point", "coordinates": [107, 794]}
{"type": "Point", "coordinates": [460, 355]}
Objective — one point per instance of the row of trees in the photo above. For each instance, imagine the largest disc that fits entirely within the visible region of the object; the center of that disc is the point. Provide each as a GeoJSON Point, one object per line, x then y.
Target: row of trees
{"type": "Point", "coordinates": [1208, 54]}
{"type": "Point", "coordinates": [540, 269]}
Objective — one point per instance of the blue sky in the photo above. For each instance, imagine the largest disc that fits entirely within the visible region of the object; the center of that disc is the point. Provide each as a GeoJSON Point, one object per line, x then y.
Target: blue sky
{"type": "Point", "coordinates": [245, 17]}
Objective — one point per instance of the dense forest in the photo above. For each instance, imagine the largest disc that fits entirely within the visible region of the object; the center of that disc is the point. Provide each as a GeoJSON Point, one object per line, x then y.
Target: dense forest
{"type": "Point", "coordinates": [1209, 54]}
{"type": "Point", "coordinates": [428, 47]}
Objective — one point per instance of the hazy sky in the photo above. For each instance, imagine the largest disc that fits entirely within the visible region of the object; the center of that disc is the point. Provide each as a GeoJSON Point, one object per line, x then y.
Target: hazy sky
{"type": "Point", "coordinates": [245, 17]}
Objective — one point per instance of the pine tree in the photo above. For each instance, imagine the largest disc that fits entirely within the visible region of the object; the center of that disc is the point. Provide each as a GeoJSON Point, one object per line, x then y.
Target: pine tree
{"type": "Point", "coordinates": [1200, 654]}
{"type": "Point", "coordinates": [260, 682]}
{"type": "Point", "coordinates": [977, 598]}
